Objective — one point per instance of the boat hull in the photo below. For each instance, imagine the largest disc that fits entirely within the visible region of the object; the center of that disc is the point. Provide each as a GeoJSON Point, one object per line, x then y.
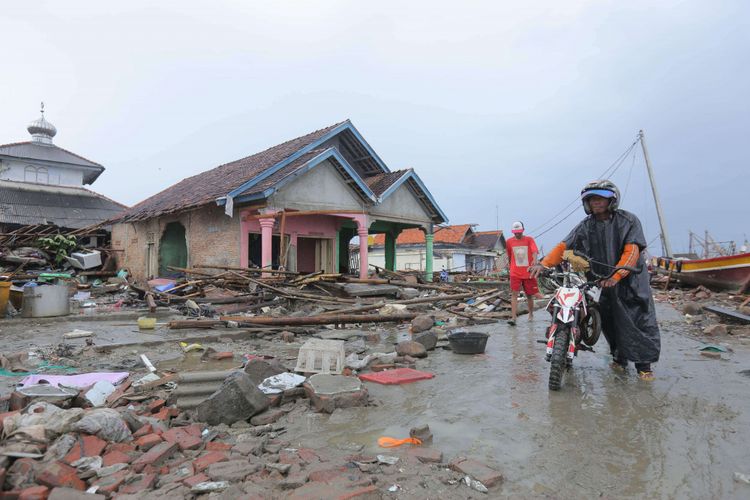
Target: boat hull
{"type": "Point", "coordinates": [730, 272]}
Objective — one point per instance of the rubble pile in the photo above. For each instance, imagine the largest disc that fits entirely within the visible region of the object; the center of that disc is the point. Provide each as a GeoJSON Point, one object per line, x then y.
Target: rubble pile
{"type": "Point", "coordinates": [122, 435]}
{"type": "Point", "coordinates": [717, 319]}
{"type": "Point", "coordinates": [42, 255]}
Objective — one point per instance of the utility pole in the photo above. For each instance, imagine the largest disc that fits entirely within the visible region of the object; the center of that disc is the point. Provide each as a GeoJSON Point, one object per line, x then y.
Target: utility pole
{"type": "Point", "coordinates": [666, 247]}
{"type": "Point", "coordinates": [705, 244]}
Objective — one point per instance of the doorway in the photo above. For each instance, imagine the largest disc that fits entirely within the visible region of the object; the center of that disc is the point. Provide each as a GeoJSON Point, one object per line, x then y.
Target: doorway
{"type": "Point", "coordinates": [172, 249]}
{"type": "Point", "coordinates": [315, 254]}
{"type": "Point", "coordinates": [255, 248]}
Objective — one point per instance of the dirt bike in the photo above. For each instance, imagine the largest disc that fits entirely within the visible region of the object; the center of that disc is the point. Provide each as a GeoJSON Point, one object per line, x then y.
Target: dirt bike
{"type": "Point", "coordinates": [576, 322]}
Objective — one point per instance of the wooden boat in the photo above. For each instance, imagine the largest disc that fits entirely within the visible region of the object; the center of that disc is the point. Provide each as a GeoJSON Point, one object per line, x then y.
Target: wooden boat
{"type": "Point", "coordinates": [727, 272]}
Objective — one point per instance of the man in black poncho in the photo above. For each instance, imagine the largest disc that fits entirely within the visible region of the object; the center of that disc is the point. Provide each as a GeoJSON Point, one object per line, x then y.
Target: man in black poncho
{"type": "Point", "coordinates": [614, 237]}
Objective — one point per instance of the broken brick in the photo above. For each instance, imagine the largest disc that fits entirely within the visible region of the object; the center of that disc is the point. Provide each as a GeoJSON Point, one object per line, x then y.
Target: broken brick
{"type": "Point", "coordinates": [138, 483]}
{"type": "Point", "coordinates": [34, 493]}
{"type": "Point", "coordinates": [366, 492]}
{"type": "Point", "coordinates": [327, 475]}
{"type": "Point", "coordinates": [194, 429]}
{"type": "Point", "coordinates": [166, 413]}
{"type": "Point", "coordinates": [308, 455]}
{"type": "Point", "coordinates": [183, 438]}
{"type": "Point", "coordinates": [155, 405]}
{"type": "Point", "coordinates": [143, 431]}
{"type": "Point", "coordinates": [218, 446]}
{"type": "Point", "coordinates": [155, 456]}
{"type": "Point", "coordinates": [71, 494]}
{"type": "Point", "coordinates": [115, 457]}
{"type": "Point", "coordinates": [148, 441]}
{"type": "Point", "coordinates": [59, 473]}
{"type": "Point", "coordinates": [86, 446]}
{"type": "Point", "coordinates": [196, 479]}
{"type": "Point", "coordinates": [212, 457]}
{"type": "Point", "coordinates": [121, 447]}
{"type": "Point", "coordinates": [479, 471]}
{"type": "Point", "coordinates": [109, 484]}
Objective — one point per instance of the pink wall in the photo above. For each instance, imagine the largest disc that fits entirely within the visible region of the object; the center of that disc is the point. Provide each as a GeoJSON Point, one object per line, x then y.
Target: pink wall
{"type": "Point", "coordinates": [314, 226]}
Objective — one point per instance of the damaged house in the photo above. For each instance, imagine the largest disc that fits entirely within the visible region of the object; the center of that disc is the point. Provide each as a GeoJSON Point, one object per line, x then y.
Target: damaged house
{"type": "Point", "coordinates": [455, 248]}
{"type": "Point", "coordinates": [42, 185]}
{"type": "Point", "coordinates": [296, 206]}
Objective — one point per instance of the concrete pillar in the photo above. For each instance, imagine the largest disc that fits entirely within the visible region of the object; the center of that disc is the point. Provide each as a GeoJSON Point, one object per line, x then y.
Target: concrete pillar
{"type": "Point", "coordinates": [390, 251]}
{"type": "Point", "coordinates": [362, 232]}
{"type": "Point", "coordinates": [266, 242]}
{"type": "Point", "coordinates": [428, 236]}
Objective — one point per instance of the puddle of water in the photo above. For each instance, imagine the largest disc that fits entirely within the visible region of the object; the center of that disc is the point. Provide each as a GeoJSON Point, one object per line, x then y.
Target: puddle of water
{"type": "Point", "coordinates": [192, 362]}
{"type": "Point", "coordinates": [603, 434]}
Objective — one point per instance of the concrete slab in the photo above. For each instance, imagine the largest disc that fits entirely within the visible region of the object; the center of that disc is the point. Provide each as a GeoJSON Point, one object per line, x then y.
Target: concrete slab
{"type": "Point", "coordinates": [325, 384]}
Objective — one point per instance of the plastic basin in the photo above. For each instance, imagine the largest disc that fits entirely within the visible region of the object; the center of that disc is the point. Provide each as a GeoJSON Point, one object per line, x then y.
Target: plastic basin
{"type": "Point", "coordinates": [466, 342]}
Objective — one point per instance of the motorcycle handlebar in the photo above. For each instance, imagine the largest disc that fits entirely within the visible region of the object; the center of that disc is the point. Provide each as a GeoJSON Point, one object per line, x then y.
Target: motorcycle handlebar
{"type": "Point", "coordinates": [635, 270]}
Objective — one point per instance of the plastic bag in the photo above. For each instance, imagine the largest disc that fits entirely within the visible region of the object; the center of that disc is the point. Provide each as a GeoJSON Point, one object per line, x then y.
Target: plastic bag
{"type": "Point", "coordinates": [106, 423]}
{"type": "Point", "coordinates": [55, 420]}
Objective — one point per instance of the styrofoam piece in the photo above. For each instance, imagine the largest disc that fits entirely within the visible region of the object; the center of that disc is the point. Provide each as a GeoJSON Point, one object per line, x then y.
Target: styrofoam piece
{"type": "Point", "coordinates": [281, 382]}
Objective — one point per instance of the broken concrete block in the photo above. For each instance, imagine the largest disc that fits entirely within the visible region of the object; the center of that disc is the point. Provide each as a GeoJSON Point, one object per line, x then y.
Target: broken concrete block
{"type": "Point", "coordinates": [328, 392]}
{"type": "Point", "coordinates": [411, 348]}
{"type": "Point", "coordinates": [238, 398]}
{"type": "Point", "coordinates": [261, 369]}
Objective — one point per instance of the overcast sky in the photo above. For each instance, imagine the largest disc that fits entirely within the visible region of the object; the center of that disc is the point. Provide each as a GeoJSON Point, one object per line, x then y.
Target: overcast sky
{"type": "Point", "coordinates": [500, 106]}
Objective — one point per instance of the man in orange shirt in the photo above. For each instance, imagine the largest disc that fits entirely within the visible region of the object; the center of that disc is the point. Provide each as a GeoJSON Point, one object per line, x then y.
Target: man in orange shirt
{"type": "Point", "coordinates": [612, 237]}
{"type": "Point", "coordinates": [522, 253]}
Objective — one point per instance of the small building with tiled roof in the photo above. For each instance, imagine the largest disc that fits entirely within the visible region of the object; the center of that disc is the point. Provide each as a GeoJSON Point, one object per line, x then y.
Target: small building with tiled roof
{"type": "Point", "coordinates": [43, 184]}
{"type": "Point", "coordinates": [294, 206]}
{"type": "Point", "coordinates": [456, 248]}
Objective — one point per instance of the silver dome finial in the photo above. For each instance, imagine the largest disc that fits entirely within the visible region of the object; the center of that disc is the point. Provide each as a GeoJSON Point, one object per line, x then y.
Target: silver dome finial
{"type": "Point", "coordinates": [41, 130]}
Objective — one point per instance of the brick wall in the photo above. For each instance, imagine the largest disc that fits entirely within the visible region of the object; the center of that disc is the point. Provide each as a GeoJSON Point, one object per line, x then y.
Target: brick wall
{"type": "Point", "coordinates": [212, 239]}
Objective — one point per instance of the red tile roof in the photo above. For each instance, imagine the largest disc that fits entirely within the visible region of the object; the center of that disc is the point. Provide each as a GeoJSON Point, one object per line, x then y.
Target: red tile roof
{"type": "Point", "coordinates": [206, 187]}
{"type": "Point", "coordinates": [446, 234]}
{"type": "Point", "coordinates": [379, 183]}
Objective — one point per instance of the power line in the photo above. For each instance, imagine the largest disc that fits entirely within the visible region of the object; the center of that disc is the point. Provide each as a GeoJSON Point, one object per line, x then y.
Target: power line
{"type": "Point", "coordinates": [558, 222]}
{"type": "Point", "coordinates": [614, 167]}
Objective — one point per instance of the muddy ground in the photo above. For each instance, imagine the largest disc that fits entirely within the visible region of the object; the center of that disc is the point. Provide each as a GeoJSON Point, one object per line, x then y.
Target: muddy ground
{"type": "Point", "coordinates": [604, 434]}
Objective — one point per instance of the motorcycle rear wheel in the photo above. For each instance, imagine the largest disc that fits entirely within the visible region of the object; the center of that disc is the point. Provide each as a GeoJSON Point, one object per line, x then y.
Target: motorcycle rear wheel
{"type": "Point", "coordinates": [558, 362]}
{"type": "Point", "coordinates": [592, 327]}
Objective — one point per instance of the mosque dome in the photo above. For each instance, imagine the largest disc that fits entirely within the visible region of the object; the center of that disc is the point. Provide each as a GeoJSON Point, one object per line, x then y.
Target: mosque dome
{"type": "Point", "coordinates": [41, 130]}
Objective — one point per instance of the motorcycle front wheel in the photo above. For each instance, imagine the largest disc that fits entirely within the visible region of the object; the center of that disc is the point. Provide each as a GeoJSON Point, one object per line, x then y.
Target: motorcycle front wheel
{"type": "Point", "coordinates": [558, 362]}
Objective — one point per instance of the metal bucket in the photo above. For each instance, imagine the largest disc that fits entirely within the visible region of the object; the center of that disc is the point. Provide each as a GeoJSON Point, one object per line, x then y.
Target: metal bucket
{"type": "Point", "coordinates": [45, 300]}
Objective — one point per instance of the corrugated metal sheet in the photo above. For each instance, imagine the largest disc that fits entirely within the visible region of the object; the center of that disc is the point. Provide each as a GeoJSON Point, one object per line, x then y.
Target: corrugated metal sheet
{"type": "Point", "coordinates": [69, 207]}
{"type": "Point", "coordinates": [45, 152]}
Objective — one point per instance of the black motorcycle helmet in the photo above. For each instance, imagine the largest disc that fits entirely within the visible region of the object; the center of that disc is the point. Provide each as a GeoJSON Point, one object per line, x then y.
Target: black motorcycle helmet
{"type": "Point", "coordinates": [603, 188]}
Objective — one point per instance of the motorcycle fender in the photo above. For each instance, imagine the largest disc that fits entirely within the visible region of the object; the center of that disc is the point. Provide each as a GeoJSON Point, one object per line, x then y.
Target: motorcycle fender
{"type": "Point", "coordinates": [565, 315]}
{"type": "Point", "coordinates": [551, 338]}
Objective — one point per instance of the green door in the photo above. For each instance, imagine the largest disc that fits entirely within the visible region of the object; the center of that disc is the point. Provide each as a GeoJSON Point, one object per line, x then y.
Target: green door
{"type": "Point", "coordinates": [172, 248]}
